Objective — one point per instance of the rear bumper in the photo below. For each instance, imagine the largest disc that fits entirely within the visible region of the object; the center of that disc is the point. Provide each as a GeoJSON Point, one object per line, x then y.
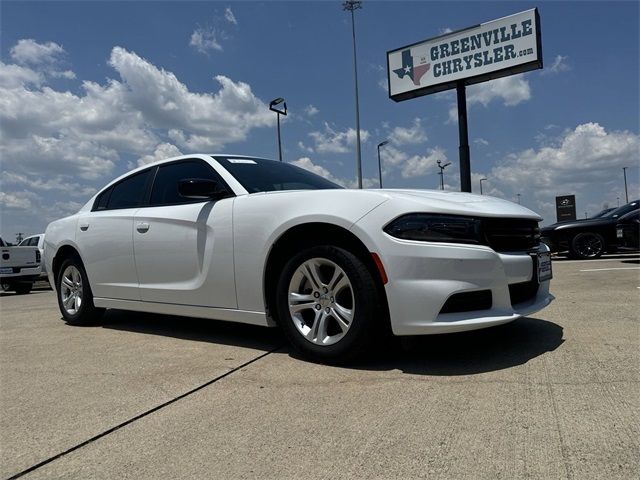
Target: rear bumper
{"type": "Point", "coordinates": [22, 274]}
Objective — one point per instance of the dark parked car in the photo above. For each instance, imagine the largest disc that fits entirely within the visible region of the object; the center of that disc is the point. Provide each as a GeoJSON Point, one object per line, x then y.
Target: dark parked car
{"type": "Point", "coordinates": [591, 237]}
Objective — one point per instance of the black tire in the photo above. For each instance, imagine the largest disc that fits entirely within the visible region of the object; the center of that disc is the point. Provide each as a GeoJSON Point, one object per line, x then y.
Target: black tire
{"type": "Point", "coordinates": [587, 245]}
{"type": "Point", "coordinates": [23, 288]}
{"type": "Point", "coordinates": [86, 313]}
{"type": "Point", "coordinates": [365, 326]}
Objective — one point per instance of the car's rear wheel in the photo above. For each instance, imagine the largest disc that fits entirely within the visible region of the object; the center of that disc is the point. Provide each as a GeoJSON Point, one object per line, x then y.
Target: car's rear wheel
{"type": "Point", "coordinates": [328, 304]}
{"type": "Point", "coordinates": [587, 245]}
{"type": "Point", "coordinates": [75, 298]}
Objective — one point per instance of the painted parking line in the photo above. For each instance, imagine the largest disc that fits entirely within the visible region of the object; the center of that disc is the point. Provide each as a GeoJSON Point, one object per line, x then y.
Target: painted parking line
{"type": "Point", "coordinates": [607, 269]}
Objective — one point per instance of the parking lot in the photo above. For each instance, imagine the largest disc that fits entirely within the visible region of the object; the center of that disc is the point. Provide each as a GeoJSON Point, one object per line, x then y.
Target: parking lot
{"type": "Point", "coordinates": [147, 396]}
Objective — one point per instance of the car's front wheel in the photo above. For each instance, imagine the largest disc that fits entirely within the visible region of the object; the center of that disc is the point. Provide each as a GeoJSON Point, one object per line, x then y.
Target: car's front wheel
{"type": "Point", "coordinates": [328, 304]}
{"type": "Point", "coordinates": [74, 294]}
{"type": "Point", "coordinates": [587, 245]}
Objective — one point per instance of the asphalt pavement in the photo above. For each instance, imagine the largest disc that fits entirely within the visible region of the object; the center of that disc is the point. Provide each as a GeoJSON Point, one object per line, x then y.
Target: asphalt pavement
{"type": "Point", "coordinates": [149, 396]}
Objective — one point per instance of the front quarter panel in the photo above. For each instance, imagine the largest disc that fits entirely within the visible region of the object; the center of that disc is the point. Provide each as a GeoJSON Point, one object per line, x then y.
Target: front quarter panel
{"type": "Point", "coordinates": [260, 219]}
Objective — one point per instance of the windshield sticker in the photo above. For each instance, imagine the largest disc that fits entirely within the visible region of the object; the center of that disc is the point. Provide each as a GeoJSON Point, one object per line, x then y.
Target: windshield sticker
{"type": "Point", "coordinates": [240, 160]}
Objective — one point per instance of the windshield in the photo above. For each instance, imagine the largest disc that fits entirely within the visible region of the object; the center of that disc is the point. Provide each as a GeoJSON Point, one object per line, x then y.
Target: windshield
{"type": "Point", "coordinates": [259, 175]}
{"type": "Point", "coordinates": [618, 212]}
{"type": "Point", "coordinates": [602, 213]}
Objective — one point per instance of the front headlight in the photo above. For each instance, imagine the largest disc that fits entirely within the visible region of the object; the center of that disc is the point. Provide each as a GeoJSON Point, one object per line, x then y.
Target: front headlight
{"type": "Point", "coordinates": [431, 227]}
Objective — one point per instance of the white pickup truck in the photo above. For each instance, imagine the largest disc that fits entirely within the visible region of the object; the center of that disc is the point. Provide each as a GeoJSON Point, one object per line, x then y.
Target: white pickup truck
{"type": "Point", "coordinates": [19, 267]}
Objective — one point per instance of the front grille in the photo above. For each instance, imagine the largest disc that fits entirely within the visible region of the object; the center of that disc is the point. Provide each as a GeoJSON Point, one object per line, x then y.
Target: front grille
{"type": "Point", "coordinates": [468, 302]}
{"type": "Point", "coordinates": [521, 292]}
{"type": "Point", "coordinates": [510, 234]}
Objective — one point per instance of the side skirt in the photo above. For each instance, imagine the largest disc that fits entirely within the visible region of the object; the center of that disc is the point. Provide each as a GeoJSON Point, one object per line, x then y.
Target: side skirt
{"type": "Point", "coordinates": [226, 314]}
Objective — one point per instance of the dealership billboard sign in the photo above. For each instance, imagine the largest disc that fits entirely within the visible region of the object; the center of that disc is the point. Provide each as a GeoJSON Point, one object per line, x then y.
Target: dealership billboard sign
{"type": "Point", "coordinates": [565, 208]}
{"type": "Point", "coordinates": [483, 52]}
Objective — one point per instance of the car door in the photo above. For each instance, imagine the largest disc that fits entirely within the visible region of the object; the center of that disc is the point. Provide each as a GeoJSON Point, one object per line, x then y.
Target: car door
{"type": "Point", "coordinates": [184, 247]}
{"type": "Point", "coordinates": [105, 237]}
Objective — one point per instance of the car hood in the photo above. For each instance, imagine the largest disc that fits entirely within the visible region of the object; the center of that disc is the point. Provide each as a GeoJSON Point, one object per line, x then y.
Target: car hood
{"type": "Point", "coordinates": [586, 222]}
{"type": "Point", "coordinates": [460, 203]}
{"type": "Point", "coordinates": [412, 201]}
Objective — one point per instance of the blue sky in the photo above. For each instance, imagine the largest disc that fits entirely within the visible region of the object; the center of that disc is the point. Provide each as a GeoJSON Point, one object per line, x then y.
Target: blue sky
{"type": "Point", "coordinates": [91, 89]}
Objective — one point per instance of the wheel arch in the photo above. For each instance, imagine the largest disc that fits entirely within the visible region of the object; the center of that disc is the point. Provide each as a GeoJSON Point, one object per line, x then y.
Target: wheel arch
{"type": "Point", "coordinates": [63, 252]}
{"type": "Point", "coordinates": [311, 234]}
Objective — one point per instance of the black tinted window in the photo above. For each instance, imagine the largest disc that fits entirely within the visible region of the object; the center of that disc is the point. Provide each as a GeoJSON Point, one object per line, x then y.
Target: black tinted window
{"type": "Point", "coordinates": [259, 175]}
{"type": "Point", "coordinates": [165, 186]}
{"type": "Point", "coordinates": [102, 200]}
{"type": "Point", "coordinates": [130, 192]}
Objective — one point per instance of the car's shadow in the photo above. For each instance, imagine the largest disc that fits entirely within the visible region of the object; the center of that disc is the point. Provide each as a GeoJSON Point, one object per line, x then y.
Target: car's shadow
{"type": "Point", "coordinates": [194, 329]}
{"type": "Point", "coordinates": [464, 353]}
{"type": "Point", "coordinates": [469, 353]}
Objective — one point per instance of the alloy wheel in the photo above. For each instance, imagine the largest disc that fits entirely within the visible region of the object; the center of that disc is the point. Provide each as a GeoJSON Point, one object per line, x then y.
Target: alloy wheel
{"type": "Point", "coordinates": [321, 301]}
{"type": "Point", "coordinates": [71, 290]}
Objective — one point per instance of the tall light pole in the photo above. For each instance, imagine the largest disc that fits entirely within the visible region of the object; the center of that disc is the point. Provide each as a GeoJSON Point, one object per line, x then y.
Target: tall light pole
{"type": "Point", "coordinates": [481, 180]}
{"type": "Point", "coordinates": [352, 5]}
{"type": "Point", "coordinates": [381, 144]}
{"type": "Point", "coordinates": [618, 199]}
{"type": "Point", "coordinates": [518, 198]}
{"type": "Point", "coordinates": [626, 193]}
{"type": "Point", "coordinates": [272, 104]}
{"type": "Point", "coordinates": [442, 167]}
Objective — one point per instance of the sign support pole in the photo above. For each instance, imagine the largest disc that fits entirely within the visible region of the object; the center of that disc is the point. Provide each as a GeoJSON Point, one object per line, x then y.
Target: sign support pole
{"type": "Point", "coordinates": [463, 132]}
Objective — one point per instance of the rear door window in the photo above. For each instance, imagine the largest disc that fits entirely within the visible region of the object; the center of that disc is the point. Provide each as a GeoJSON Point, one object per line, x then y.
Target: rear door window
{"type": "Point", "coordinates": [130, 192]}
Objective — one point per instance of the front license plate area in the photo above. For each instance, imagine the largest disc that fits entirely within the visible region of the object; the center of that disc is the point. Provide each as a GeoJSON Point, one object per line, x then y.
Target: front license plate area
{"type": "Point", "coordinates": [6, 270]}
{"type": "Point", "coordinates": [544, 267]}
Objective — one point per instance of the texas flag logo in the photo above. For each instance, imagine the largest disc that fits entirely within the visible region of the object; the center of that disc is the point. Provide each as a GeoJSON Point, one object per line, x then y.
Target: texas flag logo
{"type": "Point", "coordinates": [415, 72]}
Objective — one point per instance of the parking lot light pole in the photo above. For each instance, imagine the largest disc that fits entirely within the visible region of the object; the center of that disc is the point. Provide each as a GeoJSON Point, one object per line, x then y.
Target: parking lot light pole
{"type": "Point", "coordinates": [626, 192]}
{"type": "Point", "coordinates": [518, 198]}
{"type": "Point", "coordinates": [481, 180]}
{"type": "Point", "coordinates": [442, 167]}
{"type": "Point", "coordinates": [351, 5]}
{"type": "Point", "coordinates": [272, 104]}
{"type": "Point", "coordinates": [381, 144]}
{"type": "Point", "coordinates": [618, 199]}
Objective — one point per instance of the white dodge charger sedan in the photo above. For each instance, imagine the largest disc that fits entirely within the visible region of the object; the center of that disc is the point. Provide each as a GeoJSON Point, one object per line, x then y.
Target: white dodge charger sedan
{"type": "Point", "coordinates": [256, 241]}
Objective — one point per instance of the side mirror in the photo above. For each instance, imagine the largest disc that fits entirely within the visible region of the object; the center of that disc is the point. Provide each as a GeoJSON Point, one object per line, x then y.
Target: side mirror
{"type": "Point", "coordinates": [201, 188]}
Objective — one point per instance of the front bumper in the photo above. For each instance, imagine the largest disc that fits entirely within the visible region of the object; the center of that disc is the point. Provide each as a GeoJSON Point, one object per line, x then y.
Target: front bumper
{"type": "Point", "coordinates": [423, 276]}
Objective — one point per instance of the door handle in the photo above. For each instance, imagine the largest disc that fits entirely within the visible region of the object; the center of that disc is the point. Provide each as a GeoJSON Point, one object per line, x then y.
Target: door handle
{"type": "Point", "coordinates": [84, 227]}
{"type": "Point", "coordinates": [142, 227]}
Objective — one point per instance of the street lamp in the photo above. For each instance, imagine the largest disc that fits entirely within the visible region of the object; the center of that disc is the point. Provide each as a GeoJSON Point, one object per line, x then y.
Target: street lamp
{"type": "Point", "coordinates": [618, 199]}
{"type": "Point", "coordinates": [626, 193]}
{"type": "Point", "coordinates": [442, 167]}
{"type": "Point", "coordinates": [272, 104]}
{"type": "Point", "coordinates": [351, 5]}
{"type": "Point", "coordinates": [381, 144]}
{"type": "Point", "coordinates": [518, 198]}
{"type": "Point", "coordinates": [481, 180]}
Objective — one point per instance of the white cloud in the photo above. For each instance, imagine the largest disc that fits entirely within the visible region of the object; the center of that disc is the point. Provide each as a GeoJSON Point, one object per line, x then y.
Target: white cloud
{"type": "Point", "coordinates": [229, 16]}
{"type": "Point", "coordinates": [481, 141]}
{"type": "Point", "coordinates": [384, 84]}
{"type": "Point", "coordinates": [511, 90]}
{"type": "Point", "coordinates": [412, 135]}
{"type": "Point", "coordinates": [332, 141]}
{"type": "Point", "coordinates": [15, 76]}
{"type": "Point", "coordinates": [28, 51]}
{"type": "Point", "coordinates": [307, 164]}
{"type": "Point", "coordinates": [310, 110]}
{"type": "Point", "coordinates": [559, 65]}
{"type": "Point", "coordinates": [15, 201]}
{"type": "Point", "coordinates": [205, 40]}
{"type": "Point", "coordinates": [162, 152]}
{"type": "Point", "coordinates": [419, 165]}
{"type": "Point", "coordinates": [304, 148]}
{"type": "Point", "coordinates": [444, 31]}
{"type": "Point", "coordinates": [44, 59]}
{"type": "Point", "coordinates": [581, 158]}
